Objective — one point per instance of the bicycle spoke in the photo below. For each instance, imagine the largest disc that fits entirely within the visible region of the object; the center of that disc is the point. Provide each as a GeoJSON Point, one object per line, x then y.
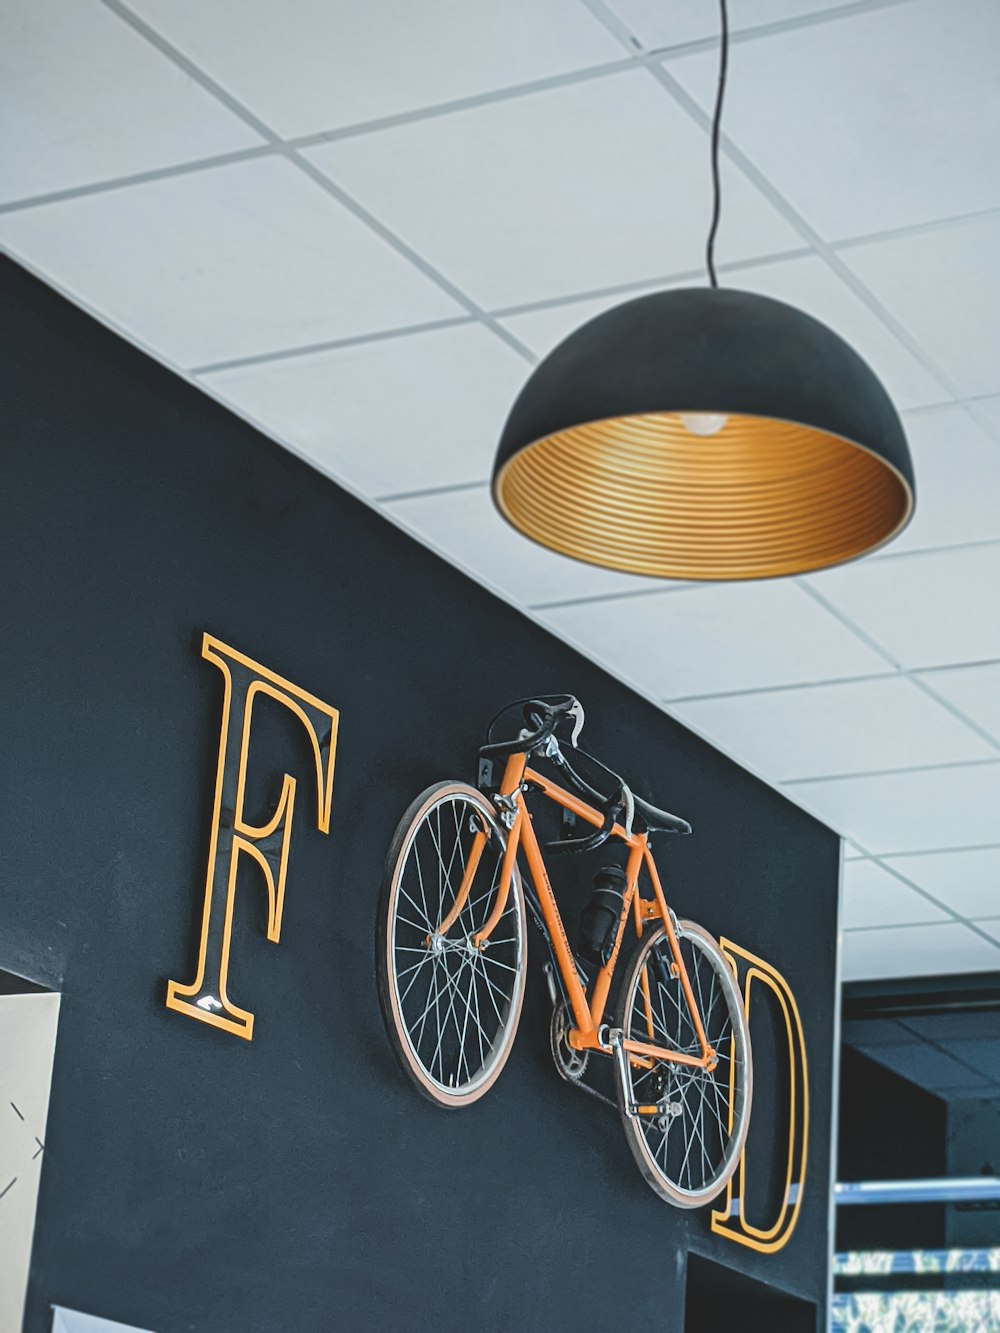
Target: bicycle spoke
{"type": "Point", "coordinates": [422, 1020]}
{"type": "Point", "coordinates": [438, 1056]}
{"type": "Point", "coordinates": [687, 1149]}
{"type": "Point", "coordinates": [479, 1022]}
{"type": "Point", "coordinates": [430, 925]}
{"type": "Point", "coordinates": [413, 980]}
{"type": "Point", "coordinates": [413, 966]}
{"type": "Point", "coordinates": [493, 988]}
{"type": "Point", "coordinates": [497, 963]}
{"type": "Point", "coordinates": [406, 921]}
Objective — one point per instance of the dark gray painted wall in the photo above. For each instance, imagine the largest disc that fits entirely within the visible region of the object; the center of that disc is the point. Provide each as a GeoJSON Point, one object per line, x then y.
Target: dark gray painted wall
{"type": "Point", "coordinates": [194, 1183]}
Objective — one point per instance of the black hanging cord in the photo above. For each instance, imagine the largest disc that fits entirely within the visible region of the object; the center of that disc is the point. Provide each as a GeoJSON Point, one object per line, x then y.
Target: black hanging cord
{"type": "Point", "coordinates": [716, 125]}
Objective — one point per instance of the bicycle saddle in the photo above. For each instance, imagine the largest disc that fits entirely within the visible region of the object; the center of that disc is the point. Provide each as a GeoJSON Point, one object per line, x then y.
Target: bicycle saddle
{"type": "Point", "coordinates": [659, 821]}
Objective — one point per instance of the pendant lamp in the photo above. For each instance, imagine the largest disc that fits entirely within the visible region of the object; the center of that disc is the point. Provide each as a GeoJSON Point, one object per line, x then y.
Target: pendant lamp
{"type": "Point", "coordinates": [705, 434]}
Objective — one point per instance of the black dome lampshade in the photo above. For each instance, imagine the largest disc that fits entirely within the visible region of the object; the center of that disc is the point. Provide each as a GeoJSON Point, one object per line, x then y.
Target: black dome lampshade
{"type": "Point", "coordinates": [705, 434]}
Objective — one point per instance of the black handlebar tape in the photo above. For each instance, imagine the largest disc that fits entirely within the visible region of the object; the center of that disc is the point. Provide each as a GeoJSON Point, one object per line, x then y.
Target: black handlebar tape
{"type": "Point", "coordinates": [554, 712]}
{"type": "Point", "coordinates": [526, 744]}
{"type": "Point", "coordinates": [590, 841]}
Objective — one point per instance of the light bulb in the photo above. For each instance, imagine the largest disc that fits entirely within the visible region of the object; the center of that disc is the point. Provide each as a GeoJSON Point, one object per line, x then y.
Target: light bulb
{"type": "Point", "coordinates": [703, 423]}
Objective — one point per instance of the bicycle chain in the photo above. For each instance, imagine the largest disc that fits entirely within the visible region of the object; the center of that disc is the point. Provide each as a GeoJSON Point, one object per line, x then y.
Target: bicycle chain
{"type": "Point", "coordinates": [591, 1092]}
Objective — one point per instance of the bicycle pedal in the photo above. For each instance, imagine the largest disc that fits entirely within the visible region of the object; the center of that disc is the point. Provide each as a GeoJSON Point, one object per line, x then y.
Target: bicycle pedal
{"type": "Point", "coordinates": [666, 1110]}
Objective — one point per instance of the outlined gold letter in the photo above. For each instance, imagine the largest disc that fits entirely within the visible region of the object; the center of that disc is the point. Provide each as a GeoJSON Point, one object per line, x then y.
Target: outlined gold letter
{"type": "Point", "coordinates": [767, 1240]}
{"type": "Point", "coordinates": [267, 845]}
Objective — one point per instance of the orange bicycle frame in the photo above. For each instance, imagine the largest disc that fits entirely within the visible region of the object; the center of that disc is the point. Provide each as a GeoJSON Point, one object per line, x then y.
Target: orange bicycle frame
{"type": "Point", "coordinates": [588, 1017]}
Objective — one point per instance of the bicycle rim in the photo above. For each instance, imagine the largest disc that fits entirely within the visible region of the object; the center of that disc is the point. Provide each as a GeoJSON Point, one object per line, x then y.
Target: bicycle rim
{"type": "Point", "coordinates": [689, 1152]}
{"type": "Point", "coordinates": [451, 1009]}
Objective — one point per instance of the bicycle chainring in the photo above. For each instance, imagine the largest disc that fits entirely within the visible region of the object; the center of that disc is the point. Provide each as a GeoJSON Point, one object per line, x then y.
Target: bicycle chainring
{"type": "Point", "coordinates": [571, 1064]}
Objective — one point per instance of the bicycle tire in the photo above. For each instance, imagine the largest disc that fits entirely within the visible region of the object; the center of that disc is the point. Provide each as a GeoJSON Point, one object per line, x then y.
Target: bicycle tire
{"type": "Point", "coordinates": [663, 1163]}
{"type": "Point", "coordinates": [489, 983]}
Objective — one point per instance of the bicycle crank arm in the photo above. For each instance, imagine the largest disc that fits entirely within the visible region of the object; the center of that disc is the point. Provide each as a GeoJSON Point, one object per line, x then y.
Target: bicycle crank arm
{"type": "Point", "coordinates": [615, 1038]}
{"type": "Point", "coordinates": [633, 1109]}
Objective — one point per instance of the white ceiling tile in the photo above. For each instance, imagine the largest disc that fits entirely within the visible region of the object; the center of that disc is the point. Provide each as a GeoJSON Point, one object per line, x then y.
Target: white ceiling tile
{"type": "Point", "coordinates": [845, 728]}
{"type": "Point", "coordinates": [968, 881]}
{"type": "Point", "coordinates": [228, 262]}
{"type": "Point", "coordinates": [556, 193]}
{"type": "Point", "coordinates": [308, 65]}
{"type": "Point", "coordinates": [957, 465]}
{"type": "Point", "coordinates": [916, 951]}
{"type": "Point", "coordinates": [654, 24]}
{"type": "Point", "coordinates": [933, 609]}
{"type": "Point", "coordinates": [943, 285]}
{"type": "Point", "coordinates": [805, 282]}
{"type": "Point", "coordinates": [874, 897]}
{"type": "Point", "coordinates": [400, 414]}
{"type": "Point", "coordinates": [704, 639]}
{"type": "Point", "coordinates": [901, 812]}
{"type": "Point", "coordinates": [467, 530]}
{"type": "Point", "coordinates": [86, 99]}
{"type": "Point", "coordinates": [988, 412]}
{"type": "Point", "coordinates": [975, 690]}
{"type": "Point", "coordinates": [884, 119]}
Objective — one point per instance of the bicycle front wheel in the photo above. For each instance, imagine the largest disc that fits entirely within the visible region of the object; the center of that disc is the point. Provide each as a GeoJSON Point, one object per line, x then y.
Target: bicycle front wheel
{"type": "Point", "coordinates": [450, 1001]}
{"type": "Point", "coordinates": [689, 1146]}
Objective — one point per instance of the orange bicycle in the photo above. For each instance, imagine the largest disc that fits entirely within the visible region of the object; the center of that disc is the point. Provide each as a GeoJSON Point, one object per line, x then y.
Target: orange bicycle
{"type": "Point", "coordinates": [452, 950]}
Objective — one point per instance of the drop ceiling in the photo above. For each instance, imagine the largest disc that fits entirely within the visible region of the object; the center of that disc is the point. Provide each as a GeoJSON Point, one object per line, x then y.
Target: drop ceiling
{"type": "Point", "coordinates": [359, 226]}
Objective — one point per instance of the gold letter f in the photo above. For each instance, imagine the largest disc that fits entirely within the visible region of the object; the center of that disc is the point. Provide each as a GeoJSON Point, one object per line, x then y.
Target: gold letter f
{"type": "Point", "coordinates": [231, 833]}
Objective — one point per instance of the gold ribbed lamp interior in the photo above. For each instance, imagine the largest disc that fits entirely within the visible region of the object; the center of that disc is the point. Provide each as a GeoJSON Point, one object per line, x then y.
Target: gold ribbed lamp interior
{"type": "Point", "coordinates": [758, 499]}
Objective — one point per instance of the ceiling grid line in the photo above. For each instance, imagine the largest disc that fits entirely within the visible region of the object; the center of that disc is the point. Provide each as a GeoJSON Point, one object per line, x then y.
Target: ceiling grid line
{"type": "Point", "coordinates": [888, 772]}
{"type": "Point", "coordinates": [331, 345]}
{"type": "Point", "coordinates": [113, 183]}
{"type": "Point", "coordinates": [900, 669]}
{"type": "Point", "coordinates": [634, 60]}
{"type": "Point", "coordinates": [913, 925]}
{"type": "Point", "coordinates": [930, 851]}
{"type": "Point", "coordinates": [939, 903]}
{"type": "Point", "coordinates": [507, 312]}
{"type": "Point", "coordinates": [319, 178]}
{"type": "Point", "coordinates": [878, 557]}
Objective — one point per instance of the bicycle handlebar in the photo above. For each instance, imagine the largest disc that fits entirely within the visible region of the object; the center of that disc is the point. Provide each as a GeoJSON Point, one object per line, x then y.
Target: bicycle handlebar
{"type": "Point", "coordinates": [541, 714]}
{"type": "Point", "coordinates": [544, 714]}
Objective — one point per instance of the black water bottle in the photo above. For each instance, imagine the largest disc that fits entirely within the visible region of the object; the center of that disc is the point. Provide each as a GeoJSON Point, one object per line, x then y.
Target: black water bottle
{"type": "Point", "coordinates": [600, 915]}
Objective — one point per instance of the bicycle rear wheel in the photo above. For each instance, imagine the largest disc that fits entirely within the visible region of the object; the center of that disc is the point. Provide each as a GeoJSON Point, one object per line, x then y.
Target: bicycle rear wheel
{"type": "Point", "coordinates": [450, 1007]}
{"type": "Point", "coordinates": [689, 1151]}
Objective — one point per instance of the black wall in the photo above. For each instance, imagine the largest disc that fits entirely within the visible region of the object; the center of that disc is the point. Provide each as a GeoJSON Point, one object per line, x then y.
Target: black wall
{"type": "Point", "coordinates": [196, 1183]}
